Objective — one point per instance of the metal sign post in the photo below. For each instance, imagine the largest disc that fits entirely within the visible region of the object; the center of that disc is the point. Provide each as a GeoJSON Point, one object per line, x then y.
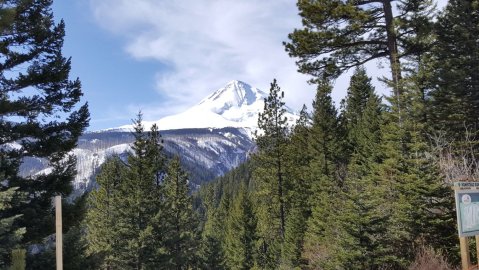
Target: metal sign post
{"type": "Point", "coordinates": [59, 236]}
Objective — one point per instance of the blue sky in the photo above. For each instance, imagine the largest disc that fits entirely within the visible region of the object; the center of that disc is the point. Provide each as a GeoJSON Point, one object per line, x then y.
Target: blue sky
{"type": "Point", "coordinates": [113, 82]}
{"type": "Point", "coordinates": [163, 56]}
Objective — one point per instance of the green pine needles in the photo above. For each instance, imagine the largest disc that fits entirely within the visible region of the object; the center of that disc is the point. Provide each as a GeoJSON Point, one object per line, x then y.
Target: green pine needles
{"type": "Point", "coordinates": [141, 216]}
{"type": "Point", "coordinates": [42, 115]}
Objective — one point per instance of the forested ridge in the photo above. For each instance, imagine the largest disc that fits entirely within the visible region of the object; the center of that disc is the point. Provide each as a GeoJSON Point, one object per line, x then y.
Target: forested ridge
{"type": "Point", "coordinates": [362, 185]}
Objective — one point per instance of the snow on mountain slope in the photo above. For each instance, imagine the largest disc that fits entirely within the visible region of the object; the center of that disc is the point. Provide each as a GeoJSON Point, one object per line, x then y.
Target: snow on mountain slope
{"type": "Point", "coordinates": [89, 161]}
{"type": "Point", "coordinates": [210, 152]}
{"type": "Point", "coordinates": [204, 153]}
{"type": "Point", "coordinates": [211, 137]}
{"type": "Point", "coordinates": [235, 105]}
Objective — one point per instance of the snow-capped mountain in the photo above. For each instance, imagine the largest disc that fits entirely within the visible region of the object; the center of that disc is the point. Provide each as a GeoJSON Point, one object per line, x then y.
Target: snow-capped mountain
{"type": "Point", "coordinates": [204, 153]}
{"type": "Point", "coordinates": [235, 105]}
{"type": "Point", "coordinates": [211, 137]}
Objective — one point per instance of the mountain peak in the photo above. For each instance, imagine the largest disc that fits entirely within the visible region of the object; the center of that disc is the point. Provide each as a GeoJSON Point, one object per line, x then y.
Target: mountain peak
{"type": "Point", "coordinates": [237, 104]}
{"type": "Point", "coordinates": [234, 94]}
{"type": "Point", "coordinates": [237, 82]}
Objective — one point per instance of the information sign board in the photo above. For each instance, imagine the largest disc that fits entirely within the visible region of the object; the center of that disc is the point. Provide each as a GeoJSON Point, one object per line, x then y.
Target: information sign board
{"type": "Point", "coordinates": [464, 185]}
{"type": "Point", "coordinates": [467, 208]}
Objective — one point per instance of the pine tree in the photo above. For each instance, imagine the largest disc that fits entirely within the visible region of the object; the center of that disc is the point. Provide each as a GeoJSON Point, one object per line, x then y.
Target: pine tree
{"type": "Point", "coordinates": [221, 215]}
{"type": "Point", "coordinates": [180, 237]}
{"type": "Point", "coordinates": [213, 201]}
{"type": "Point", "coordinates": [38, 110]}
{"type": "Point", "coordinates": [140, 201]}
{"type": "Point", "coordinates": [217, 201]}
{"type": "Point", "coordinates": [361, 223]}
{"type": "Point", "coordinates": [271, 181]}
{"type": "Point", "coordinates": [122, 216]}
{"type": "Point", "coordinates": [323, 168]}
{"type": "Point", "coordinates": [75, 254]}
{"type": "Point", "coordinates": [298, 159]}
{"type": "Point", "coordinates": [74, 243]}
{"type": "Point", "coordinates": [10, 236]}
{"type": "Point", "coordinates": [415, 196]}
{"type": "Point", "coordinates": [338, 35]}
{"type": "Point", "coordinates": [360, 92]}
{"type": "Point", "coordinates": [455, 81]}
{"type": "Point", "coordinates": [217, 213]}
{"type": "Point", "coordinates": [212, 255]}
{"type": "Point", "coordinates": [240, 233]}
{"type": "Point", "coordinates": [209, 204]}
{"type": "Point", "coordinates": [102, 215]}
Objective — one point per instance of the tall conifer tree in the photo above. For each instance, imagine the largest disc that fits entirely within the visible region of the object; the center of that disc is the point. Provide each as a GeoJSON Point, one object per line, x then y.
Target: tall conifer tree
{"type": "Point", "coordinates": [455, 92]}
{"type": "Point", "coordinates": [361, 222]}
{"type": "Point", "coordinates": [270, 177]}
{"type": "Point", "coordinates": [339, 35]}
{"type": "Point", "coordinates": [360, 93]}
{"type": "Point", "coordinates": [415, 196]}
{"type": "Point", "coordinates": [218, 215]}
{"type": "Point", "coordinates": [122, 212]}
{"type": "Point", "coordinates": [179, 223]}
{"type": "Point", "coordinates": [38, 110]}
{"type": "Point", "coordinates": [323, 168]}
{"type": "Point", "coordinates": [240, 233]}
{"type": "Point", "coordinates": [298, 160]}
{"type": "Point", "coordinates": [212, 255]}
{"type": "Point", "coordinates": [101, 218]}
{"type": "Point", "coordinates": [140, 203]}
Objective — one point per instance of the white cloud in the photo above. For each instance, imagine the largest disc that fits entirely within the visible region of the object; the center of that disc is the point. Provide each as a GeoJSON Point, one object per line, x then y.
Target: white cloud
{"type": "Point", "coordinates": [206, 43]}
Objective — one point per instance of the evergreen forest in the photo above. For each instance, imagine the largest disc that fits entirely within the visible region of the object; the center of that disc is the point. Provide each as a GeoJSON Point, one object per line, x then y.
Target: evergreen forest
{"type": "Point", "coordinates": [364, 184]}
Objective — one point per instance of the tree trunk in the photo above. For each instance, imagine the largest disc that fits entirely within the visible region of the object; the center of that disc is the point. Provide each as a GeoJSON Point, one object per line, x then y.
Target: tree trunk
{"type": "Point", "coordinates": [281, 199]}
{"type": "Point", "coordinates": [392, 48]}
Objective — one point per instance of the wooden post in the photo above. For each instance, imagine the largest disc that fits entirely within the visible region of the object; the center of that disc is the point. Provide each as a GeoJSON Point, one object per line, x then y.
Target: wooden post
{"type": "Point", "coordinates": [465, 257]}
{"type": "Point", "coordinates": [59, 236]}
{"type": "Point", "coordinates": [477, 250]}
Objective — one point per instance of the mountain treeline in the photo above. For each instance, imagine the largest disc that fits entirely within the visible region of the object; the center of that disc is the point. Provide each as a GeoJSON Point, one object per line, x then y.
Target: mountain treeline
{"type": "Point", "coordinates": [366, 186]}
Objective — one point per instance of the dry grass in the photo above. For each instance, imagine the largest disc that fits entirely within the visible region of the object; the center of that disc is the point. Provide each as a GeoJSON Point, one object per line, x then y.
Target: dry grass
{"type": "Point", "coordinates": [457, 162]}
{"type": "Point", "coordinates": [428, 259]}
